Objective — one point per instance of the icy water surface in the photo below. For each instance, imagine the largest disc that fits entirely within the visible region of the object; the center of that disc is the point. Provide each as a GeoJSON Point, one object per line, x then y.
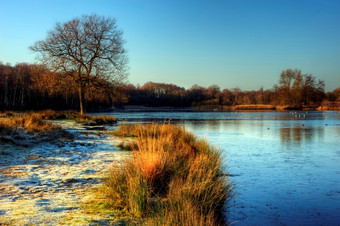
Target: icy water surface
{"type": "Point", "coordinates": [285, 165]}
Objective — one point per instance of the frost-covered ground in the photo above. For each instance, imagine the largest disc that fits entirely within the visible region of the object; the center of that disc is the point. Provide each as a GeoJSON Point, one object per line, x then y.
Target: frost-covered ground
{"type": "Point", "coordinates": [47, 183]}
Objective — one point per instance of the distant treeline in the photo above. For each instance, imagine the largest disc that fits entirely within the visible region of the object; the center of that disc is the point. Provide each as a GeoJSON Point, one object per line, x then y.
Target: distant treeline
{"type": "Point", "coordinates": [293, 90]}
{"type": "Point", "coordinates": [29, 87]}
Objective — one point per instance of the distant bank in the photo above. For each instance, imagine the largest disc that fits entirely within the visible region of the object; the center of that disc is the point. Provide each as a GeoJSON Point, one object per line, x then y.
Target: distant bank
{"type": "Point", "coordinates": [219, 108]}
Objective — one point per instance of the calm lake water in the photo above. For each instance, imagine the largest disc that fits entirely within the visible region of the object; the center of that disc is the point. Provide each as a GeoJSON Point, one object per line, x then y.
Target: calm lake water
{"type": "Point", "coordinates": [285, 165]}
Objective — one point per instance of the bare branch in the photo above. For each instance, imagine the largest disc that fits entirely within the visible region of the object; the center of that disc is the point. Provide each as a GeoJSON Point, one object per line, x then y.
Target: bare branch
{"type": "Point", "coordinates": [87, 49]}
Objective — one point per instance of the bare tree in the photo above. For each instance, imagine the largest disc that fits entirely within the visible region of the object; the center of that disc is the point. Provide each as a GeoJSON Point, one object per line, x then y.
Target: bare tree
{"type": "Point", "coordinates": [88, 49]}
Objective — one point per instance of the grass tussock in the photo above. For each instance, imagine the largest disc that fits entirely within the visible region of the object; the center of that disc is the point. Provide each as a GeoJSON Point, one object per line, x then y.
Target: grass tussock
{"type": "Point", "coordinates": [55, 115]}
{"type": "Point", "coordinates": [104, 119]}
{"type": "Point", "coordinates": [129, 130]}
{"type": "Point", "coordinates": [173, 178]}
{"type": "Point", "coordinates": [95, 120]}
{"type": "Point", "coordinates": [28, 122]}
{"type": "Point", "coordinates": [52, 115]}
{"type": "Point", "coordinates": [85, 118]}
{"type": "Point", "coordinates": [28, 129]}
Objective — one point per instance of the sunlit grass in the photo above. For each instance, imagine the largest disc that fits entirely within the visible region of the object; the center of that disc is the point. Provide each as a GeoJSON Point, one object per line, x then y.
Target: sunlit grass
{"type": "Point", "coordinates": [29, 122]}
{"type": "Point", "coordinates": [128, 130]}
{"type": "Point", "coordinates": [50, 114]}
{"type": "Point", "coordinates": [55, 115]}
{"type": "Point", "coordinates": [172, 178]}
{"type": "Point", "coordinates": [28, 128]}
{"type": "Point", "coordinates": [85, 118]}
{"type": "Point", "coordinates": [25, 128]}
{"type": "Point", "coordinates": [98, 120]}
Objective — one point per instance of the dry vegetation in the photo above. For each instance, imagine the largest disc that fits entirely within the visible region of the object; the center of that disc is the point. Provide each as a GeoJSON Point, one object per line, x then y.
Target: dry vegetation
{"type": "Point", "coordinates": [85, 118]}
{"type": "Point", "coordinates": [96, 120]}
{"type": "Point", "coordinates": [54, 115]}
{"type": "Point", "coordinates": [32, 127]}
{"type": "Point", "coordinates": [50, 114]}
{"type": "Point", "coordinates": [29, 122]}
{"type": "Point", "coordinates": [173, 178]}
{"type": "Point", "coordinates": [27, 129]}
{"type": "Point", "coordinates": [26, 86]}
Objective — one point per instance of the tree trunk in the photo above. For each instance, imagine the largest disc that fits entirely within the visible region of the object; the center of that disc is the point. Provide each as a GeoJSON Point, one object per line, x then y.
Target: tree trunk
{"type": "Point", "coordinates": [22, 91]}
{"type": "Point", "coordinates": [6, 91]}
{"type": "Point", "coordinates": [81, 99]}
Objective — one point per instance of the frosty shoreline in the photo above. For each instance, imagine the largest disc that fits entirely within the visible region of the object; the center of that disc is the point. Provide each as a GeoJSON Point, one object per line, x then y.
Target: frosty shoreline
{"type": "Point", "coordinates": [47, 183]}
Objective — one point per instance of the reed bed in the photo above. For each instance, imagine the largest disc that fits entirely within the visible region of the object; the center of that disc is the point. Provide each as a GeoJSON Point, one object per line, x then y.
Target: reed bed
{"type": "Point", "coordinates": [173, 178]}
{"type": "Point", "coordinates": [29, 122]}
{"type": "Point", "coordinates": [29, 129]}
{"type": "Point", "coordinates": [55, 115]}
{"type": "Point", "coordinates": [96, 120]}
{"type": "Point", "coordinates": [85, 118]}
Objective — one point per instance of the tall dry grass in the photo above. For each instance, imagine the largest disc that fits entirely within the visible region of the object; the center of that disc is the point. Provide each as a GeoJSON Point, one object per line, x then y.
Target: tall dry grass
{"type": "Point", "coordinates": [104, 119]}
{"type": "Point", "coordinates": [172, 178]}
{"type": "Point", "coordinates": [85, 118]}
{"type": "Point", "coordinates": [53, 115]}
{"type": "Point", "coordinates": [50, 114]}
{"type": "Point", "coordinates": [28, 122]}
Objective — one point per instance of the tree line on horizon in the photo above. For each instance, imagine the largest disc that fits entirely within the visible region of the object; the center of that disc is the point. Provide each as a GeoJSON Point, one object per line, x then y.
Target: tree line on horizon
{"type": "Point", "coordinates": [294, 89]}
{"type": "Point", "coordinates": [33, 87]}
{"type": "Point", "coordinates": [83, 64]}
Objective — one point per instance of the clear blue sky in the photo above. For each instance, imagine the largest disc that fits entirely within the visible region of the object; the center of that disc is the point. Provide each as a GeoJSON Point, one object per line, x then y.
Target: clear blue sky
{"type": "Point", "coordinates": [231, 43]}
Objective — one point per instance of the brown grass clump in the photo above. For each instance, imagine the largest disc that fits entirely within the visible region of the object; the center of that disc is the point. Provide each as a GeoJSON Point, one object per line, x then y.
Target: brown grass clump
{"type": "Point", "coordinates": [85, 118]}
{"type": "Point", "coordinates": [104, 119]}
{"type": "Point", "coordinates": [95, 120]}
{"type": "Point", "coordinates": [172, 178]}
{"type": "Point", "coordinates": [28, 129]}
{"type": "Point", "coordinates": [52, 115]}
{"type": "Point", "coordinates": [28, 122]}
{"type": "Point", "coordinates": [128, 130]}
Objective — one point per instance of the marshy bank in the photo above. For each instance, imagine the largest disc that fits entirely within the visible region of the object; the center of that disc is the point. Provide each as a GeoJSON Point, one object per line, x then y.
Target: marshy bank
{"type": "Point", "coordinates": [28, 129]}
{"type": "Point", "coordinates": [52, 182]}
{"type": "Point", "coordinates": [62, 182]}
{"type": "Point", "coordinates": [173, 178]}
{"type": "Point", "coordinates": [31, 128]}
{"type": "Point", "coordinates": [284, 164]}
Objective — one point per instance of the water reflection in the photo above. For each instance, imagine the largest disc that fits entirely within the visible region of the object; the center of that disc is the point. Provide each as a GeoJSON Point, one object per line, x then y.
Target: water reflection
{"type": "Point", "coordinates": [281, 116]}
{"type": "Point", "coordinates": [297, 135]}
{"type": "Point", "coordinates": [287, 163]}
{"type": "Point", "coordinates": [289, 134]}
